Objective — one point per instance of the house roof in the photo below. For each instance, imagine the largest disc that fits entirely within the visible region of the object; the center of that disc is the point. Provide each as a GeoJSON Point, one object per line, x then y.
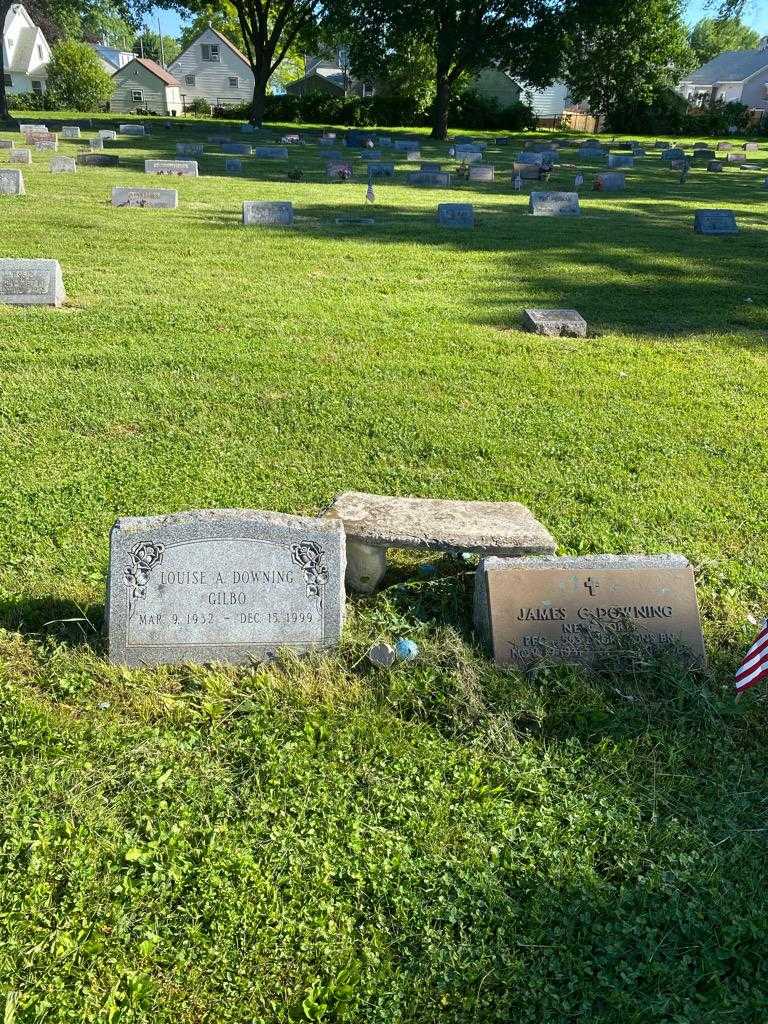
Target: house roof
{"type": "Point", "coordinates": [29, 35]}
{"type": "Point", "coordinates": [153, 68]}
{"type": "Point", "coordinates": [731, 66]}
{"type": "Point", "coordinates": [219, 35]}
{"type": "Point", "coordinates": [334, 75]}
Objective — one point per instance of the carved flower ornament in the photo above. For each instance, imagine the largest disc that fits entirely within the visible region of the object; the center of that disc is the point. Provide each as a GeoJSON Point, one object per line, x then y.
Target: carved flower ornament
{"type": "Point", "coordinates": [144, 558]}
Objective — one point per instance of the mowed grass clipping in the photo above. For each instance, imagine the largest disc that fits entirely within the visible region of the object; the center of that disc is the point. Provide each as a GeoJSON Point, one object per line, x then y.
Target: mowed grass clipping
{"type": "Point", "coordinates": [316, 839]}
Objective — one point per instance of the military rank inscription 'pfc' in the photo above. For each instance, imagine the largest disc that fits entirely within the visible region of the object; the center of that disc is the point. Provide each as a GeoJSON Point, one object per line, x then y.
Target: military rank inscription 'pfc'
{"type": "Point", "coordinates": [224, 585]}
{"type": "Point", "coordinates": [581, 609]}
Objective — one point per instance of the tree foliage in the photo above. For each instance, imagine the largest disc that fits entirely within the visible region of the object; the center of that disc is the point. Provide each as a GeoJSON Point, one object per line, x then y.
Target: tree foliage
{"type": "Point", "coordinates": [461, 37]}
{"type": "Point", "coordinates": [76, 79]}
{"type": "Point", "coordinates": [148, 43]}
{"type": "Point", "coordinates": [624, 49]}
{"type": "Point", "coordinates": [712, 36]}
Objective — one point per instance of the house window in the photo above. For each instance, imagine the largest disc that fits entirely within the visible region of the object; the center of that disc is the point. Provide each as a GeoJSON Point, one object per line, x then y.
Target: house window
{"type": "Point", "coordinates": [40, 51]}
{"type": "Point", "coordinates": [234, 82]}
{"type": "Point", "coordinates": [368, 89]}
{"type": "Point", "coordinates": [189, 79]}
{"type": "Point", "coordinates": [137, 96]}
{"type": "Point", "coordinates": [8, 80]}
{"type": "Point", "coordinates": [210, 52]}
{"type": "Point", "coordinates": [37, 87]}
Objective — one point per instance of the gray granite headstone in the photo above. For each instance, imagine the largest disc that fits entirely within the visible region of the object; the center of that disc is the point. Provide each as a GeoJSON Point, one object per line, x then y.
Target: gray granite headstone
{"type": "Point", "coordinates": [703, 154]}
{"type": "Point", "coordinates": [233, 165]}
{"type": "Point", "coordinates": [469, 156]}
{"type": "Point", "coordinates": [96, 143]}
{"type": "Point", "coordinates": [456, 215]}
{"type": "Point", "coordinates": [530, 172]}
{"type": "Point", "coordinates": [528, 157]}
{"type": "Point", "coordinates": [736, 158]}
{"type": "Point", "coordinates": [158, 198]}
{"type": "Point", "coordinates": [725, 145]}
{"type": "Point", "coordinates": [440, 179]}
{"type": "Point", "coordinates": [610, 181]}
{"type": "Point", "coordinates": [20, 156]}
{"type": "Point", "coordinates": [715, 166]}
{"type": "Point", "coordinates": [24, 128]}
{"type": "Point", "coordinates": [7, 144]}
{"type": "Point", "coordinates": [751, 147]}
{"type": "Point", "coordinates": [107, 134]}
{"type": "Point", "coordinates": [672, 154]}
{"type": "Point", "coordinates": [384, 141]}
{"type": "Point", "coordinates": [223, 585]}
{"type": "Point", "coordinates": [403, 145]}
{"type": "Point", "coordinates": [618, 160]}
{"type": "Point", "coordinates": [370, 154]}
{"type": "Point", "coordinates": [381, 170]}
{"type": "Point", "coordinates": [221, 140]}
{"type": "Point", "coordinates": [70, 131]}
{"type": "Point", "coordinates": [338, 170]}
{"type": "Point", "coordinates": [174, 168]}
{"type": "Point", "coordinates": [189, 149]}
{"type": "Point", "coordinates": [430, 165]}
{"type": "Point", "coordinates": [11, 182]}
{"type": "Point", "coordinates": [482, 172]}
{"type": "Point", "coordinates": [413, 155]}
{"type": "Point", "coordinates": [271, 152]}
{"type": "Point", "coordinates": [31, 283]}
{"type": "Point", "coordinates": [555, 323]}
{"type": "Point", "coordinates": [715, 222]}
{"type": "Point", "coordinates": [132, 129]}
{"type": "Point", "coordinates": [554, 204]}
{"type": "Point", "coordinates": [63, 165]}
{"type": "Point", "coordinates": [262, 212]}
{"type": "Point", "coordinates": [98, 159]}
{"type": "Point", "coordinates": [239, 148]}
{"type": "Point", "coordinates": [591, 153]}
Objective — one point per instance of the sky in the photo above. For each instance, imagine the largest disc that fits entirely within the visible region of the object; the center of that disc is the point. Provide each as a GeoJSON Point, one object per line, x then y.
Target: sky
{"type": "Point", "coordinates": [755, 15]}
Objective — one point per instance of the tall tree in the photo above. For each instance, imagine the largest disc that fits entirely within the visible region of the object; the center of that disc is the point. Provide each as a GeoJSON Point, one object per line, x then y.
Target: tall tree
{"type": "Point", "coordinates": [624, 48]}
{"type": "Point", "coordinates": [462, 36]}
{"type": "Point", "coordinates": [711, 36]}
{"type": "Point", "coordinates": [269, 30]}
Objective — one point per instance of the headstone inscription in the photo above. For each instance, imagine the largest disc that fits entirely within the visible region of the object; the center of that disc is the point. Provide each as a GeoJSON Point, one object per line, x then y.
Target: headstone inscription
{"type": "Point", "coordinates": [441, 179]}
{"type": "Point", "coordinates": [132, 129]}
{"type": "Point", "coordinates": [98, 159]}
{"type": "Point", "coordinates": [610, 181]}
{"type": "Point", "coordinates": [271, 152]}
{"type": "Point", "coordinates": [24, 128]}
{"type": "Point", "coordinates": [176, 168]}
{"type": "Point", "coordinates": [715, 222]}
{"type": "Point", "coordinates": [482, 172]}
{"type": "Point", "coordinates": [63, 165]}
{"type": "Point", "coordinates": [617, 160]}
{"type": "Point", "coordinates": [158, 198]}
{"type": "Point", "coordinates": [583, 609]}
{"type": "Point", "coordinates": [189, 149]}
{"type": "Point", "coordinates": [239, 148]}
{"type": "Point", "coordinates": [70, 132]}
{"type": "Point", "coordinates": [96, 143]}
{"type": "Point", "coordinates": [381, 170]}
{"type": "Point", "coordinates": [224, 585]}
{"type": "Point", "coordinates": [555, 323]}
{"type": "Point", "coordinates": [31, 283]}
{"type": "Point", "coordinates": [456, 215]}
{"type": "Point", "coordinates": [554, 204]}
{"type": "Point", "coordinates": [375, 522]}
{"type": "Point", "coordinates": [20, 156]}
{"type": "Point", "coordinates": [11, 182]}
{"type": "Point", "coordinates": [257, 213]}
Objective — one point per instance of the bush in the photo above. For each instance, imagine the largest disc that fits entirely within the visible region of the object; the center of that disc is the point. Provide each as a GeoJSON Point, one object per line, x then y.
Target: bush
{"type": "Point", "coordinates": [76, 79]}
{"type": "Point", "coordinates": [27, 101]}
{"type": "Point", "coordinates": [718, 120]}
{"type": "Point", "coordinates": [469, 109]}
{"type": "Point", "coordinates": [666, 114]}
{"type": "Point", "coordinates": [199, 106]}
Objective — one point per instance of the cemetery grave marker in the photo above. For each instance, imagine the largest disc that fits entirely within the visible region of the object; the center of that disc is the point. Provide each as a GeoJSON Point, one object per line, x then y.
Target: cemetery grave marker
{"type": "Point", "coordinates": [531, 172]}
{"type": "Point", "coordinates": [20, 156]}
{"type": "Point", "coordinates": [554, 204]}
{"type": "Point", "coordinates": [715, 222]}
{"type": "Point", "coordinates": [438, 178]}
{"type": "Point", "coordinates": [703, 154]}
{"type": "Point", "coordinates": [233, 165]}
{"type": "Point", "coordinates": [108, 135]}
{"type": "Point", "coordinates": [271, 152]}
{"type": "Point", "coordinates": [178, 168]}
{"type": "Point", "coordinates": [223, 585]}
{"type": "Point", "coordinates": [672, 154]}
{"type": "Point", "coordinates": [725, 145]}
{"type": "Point", "coordinates": [751, 147]}
{"type": "Point", "coordinates": [189, 149]}
{"type": "Point", "coordinates": [259, 213]}
{"type": "Point", "coordinates": [617, 160]}
{"type": "Point", "coordinates": [70, 131]}
{"type": "Point", "coordinates": [159, 198]}
{"type": "Point", "coordinates": [413, 155]}
{"type": "Point", "coordinates": [482, 172]}
{"type": "Point", "coordinates": [581, 609]}
{"type": "Point", "coordinates": [7, 144]}
{"type": "Point", "coordinates": [456, 215]}
{"type": "Point", "coordinates": [736, 158]}
{"type": "Point", "coordinates": [63, 165]}
{"type": "Point", "coordinates": [25, 128]}
{"type": "Point", "coordinates": [381, 170]}
{"type": "Point", "coordinates": [11, 182]}
{"type": "Point", "coordinates": [132, 129]}
{"type": "Point", "coordinates": [384, 141]}
{"type": "Point", "coordinates": [715, 166]}
{"type": "Point", "coordinates": [239, 148]}
{"type": "Point", "coordinates": [375, 522]}
{"type": "Point", "coordinates": [611, 181]}
{"type": "Point", "coordinates": [536, 159]}
{"type": "Point", "coordinates": [31, 283]}
{"type": "Point", "coordinates": [338, 170]}
{"type": "Point", "coordinates": [98, 159]}
{"type": "Point", "coordinates": [96, 143]}
{"type": "Point", "coordinates": [591, 153]}
{"type": "Point", "coordinates": [430, 165]}
{"type": "Point", "coordinates": [555, 323]}
{"type": "Point", "coordinates": [403, 145]}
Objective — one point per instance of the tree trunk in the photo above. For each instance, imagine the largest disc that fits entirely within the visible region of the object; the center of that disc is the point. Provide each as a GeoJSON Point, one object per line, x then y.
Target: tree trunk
{"type": "Point", "coordinates": [259, 101]}
{"type": "Point", "coordinates": [5, 117]}
{"type": "Point", "coordinates": [440, 114]}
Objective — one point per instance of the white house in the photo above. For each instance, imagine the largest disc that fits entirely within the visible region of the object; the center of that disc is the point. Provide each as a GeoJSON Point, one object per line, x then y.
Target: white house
{"type": "Point", "coordinates": [213, 69]}
{"type": "Point", "coordinates": [736, 76]}
{"type": "Point", "coordinates": [141, 84]}
{"type": "Point", "coordinates": [26, 53]}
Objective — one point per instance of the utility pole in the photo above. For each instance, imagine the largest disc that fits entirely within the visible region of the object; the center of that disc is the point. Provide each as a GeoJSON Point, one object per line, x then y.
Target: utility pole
{"type": "Point", "coordinates": [160, 36]}
{"type": "Point", "coordinates": [141, 44]}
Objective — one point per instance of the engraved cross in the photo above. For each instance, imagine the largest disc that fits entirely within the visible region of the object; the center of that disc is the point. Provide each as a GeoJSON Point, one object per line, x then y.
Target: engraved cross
{"type": "Point", "coordinates": [591, 586]}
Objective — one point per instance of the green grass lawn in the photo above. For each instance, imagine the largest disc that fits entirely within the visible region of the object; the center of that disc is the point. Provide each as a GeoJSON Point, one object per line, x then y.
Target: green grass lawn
{"type": "Point", "coordinates": [319, 840]}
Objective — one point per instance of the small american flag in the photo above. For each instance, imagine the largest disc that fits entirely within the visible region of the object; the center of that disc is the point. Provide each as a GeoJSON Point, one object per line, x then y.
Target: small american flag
{"type": "Point", "coordinates": [370, 195]}
{"type": "Point", "coordinates": [755, 664]}
{"type": "Point", "coordinates": [518, 183]}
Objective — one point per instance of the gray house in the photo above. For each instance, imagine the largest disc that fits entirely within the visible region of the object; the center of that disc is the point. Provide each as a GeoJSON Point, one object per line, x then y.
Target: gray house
{"type": "Point", "coordinates": [736, 76]}
{"type": "Point", "coordinates": [331, 76]}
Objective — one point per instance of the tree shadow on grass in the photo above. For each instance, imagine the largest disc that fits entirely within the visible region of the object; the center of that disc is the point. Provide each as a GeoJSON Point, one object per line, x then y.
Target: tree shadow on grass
{"type": "Point", "coordinates": [68, 622]}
